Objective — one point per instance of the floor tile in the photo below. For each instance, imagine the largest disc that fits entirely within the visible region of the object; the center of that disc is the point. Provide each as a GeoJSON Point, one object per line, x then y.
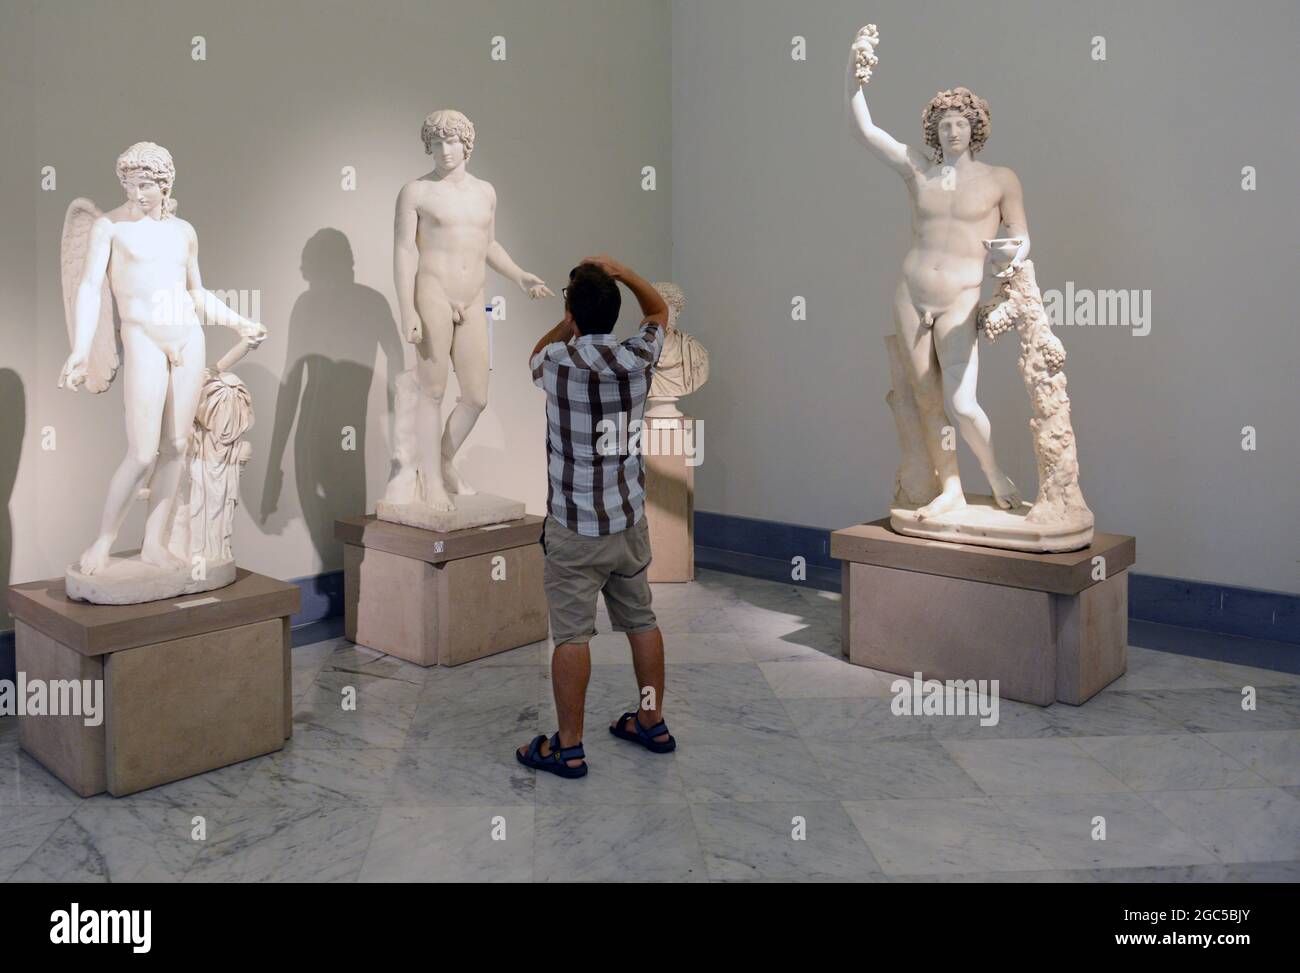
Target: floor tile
{"type": "Point", "coordinates": [451, 844]}
{"type": "Point", "coordinates": [1237, 824]}
{"type": "Point", "coordinates": [1032, 767]}
{"type": "Point", "coordinates": [789, 842]}
{"type": "Point", "coordinates": [1273, 754]}
{"type": "Point", "coordinates": [654, 843]}
{"type": "Point", "coordinates": [943, 835]}
{"type": "Point", "coordinates": [291, 844]}
{"type": "Point", "coordinates": [1109, 830]}
{"type": "Point", "coordinates": [879, 769]}
{"type": "Point", "coordinates": [99, 843]}
{"type": "Point", "coordinates": [1168, 762]}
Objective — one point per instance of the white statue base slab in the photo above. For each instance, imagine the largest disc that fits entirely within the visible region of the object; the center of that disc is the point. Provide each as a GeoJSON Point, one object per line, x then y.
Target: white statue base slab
{"type": "Point", "coordinates": [983, 522]}
{"type": "Point", "coordinates": [127, 580]}
{"type": "Point", "coordinates": [475, 510]}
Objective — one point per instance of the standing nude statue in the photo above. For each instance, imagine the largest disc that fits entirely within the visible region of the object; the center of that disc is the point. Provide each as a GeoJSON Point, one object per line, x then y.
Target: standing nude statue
{"type": "Point", "coordinates": [140, 263]}
{"type": "Point", "coordinates": [443, 237]}
{"type": "Point", "coordinates": [957, 204]}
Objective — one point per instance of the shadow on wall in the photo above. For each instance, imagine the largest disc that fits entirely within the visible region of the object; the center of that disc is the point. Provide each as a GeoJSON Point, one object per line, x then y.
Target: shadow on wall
{"type": "Point", "coordinates": [335, 328]}
{"type": "Point", "coordinates": [13, 420]}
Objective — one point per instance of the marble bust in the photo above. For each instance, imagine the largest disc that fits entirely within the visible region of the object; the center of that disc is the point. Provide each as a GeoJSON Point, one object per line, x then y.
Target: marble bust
{"type": "Point", "coordinates": [683, 364]}
{"type": "Point", "coordinates": [131, 281]}
{"type": "Point", "coordinates": [444, 238]}
{"type": "Point", "coordinates": [959, 205]}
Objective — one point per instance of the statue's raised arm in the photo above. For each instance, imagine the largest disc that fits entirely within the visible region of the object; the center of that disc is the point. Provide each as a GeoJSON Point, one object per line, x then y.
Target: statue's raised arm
{"type": "Point", "coordinates": [862, 60]}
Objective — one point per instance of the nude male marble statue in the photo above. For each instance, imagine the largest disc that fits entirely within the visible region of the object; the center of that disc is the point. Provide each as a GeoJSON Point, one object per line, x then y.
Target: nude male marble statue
{"type": "Point", "coordinates": [132, 274]}
{"type": "Point", "coordinates": [444, 238]}
{"type": "Point", "coordinates": [958, 206]}
{"type": "Point", "coordinates": [957, 203]}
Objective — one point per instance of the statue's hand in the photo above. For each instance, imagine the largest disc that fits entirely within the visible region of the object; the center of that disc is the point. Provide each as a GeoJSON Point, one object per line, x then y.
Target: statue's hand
{"type": "Point", "coordinates": [252, 332]}
{"type": "Point", "coordinates": [534, 286]}
{"type": "Point", "coordinates": [414, 330]}
{"type": "Point", "coordinates": [74, 372]}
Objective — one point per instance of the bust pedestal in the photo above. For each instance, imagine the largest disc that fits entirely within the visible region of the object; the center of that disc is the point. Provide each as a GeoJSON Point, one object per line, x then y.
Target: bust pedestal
{"type": "Point", "coordinates": [670, 500]}
{"type": "Point", "coordinates": [1048, 627]}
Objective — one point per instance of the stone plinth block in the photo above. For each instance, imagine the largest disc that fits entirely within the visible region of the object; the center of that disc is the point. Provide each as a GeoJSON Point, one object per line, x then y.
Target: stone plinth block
{"type": "Point", "coordinates": [189, 684]}
{"type": "Point", "coordinates": [670, 505]}
{"type": "Point", "coordinates": [1048, 627]}
{"type": "Point", "coordinates": [436, 598]}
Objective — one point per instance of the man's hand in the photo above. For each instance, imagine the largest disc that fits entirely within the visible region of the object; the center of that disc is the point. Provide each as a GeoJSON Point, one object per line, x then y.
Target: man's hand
{"type": "Point", "coordinates": [74, 372]}
{"type": "Point", "coordinates": [608, 264]}
{"type": "Point", "coordinates": [252, 332]}
{"type": "Point", "coordinates": [533, 286]}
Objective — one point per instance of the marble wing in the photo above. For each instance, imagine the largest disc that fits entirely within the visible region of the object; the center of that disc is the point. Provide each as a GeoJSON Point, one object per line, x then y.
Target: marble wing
{"type": "Point", "coordinates": [104, 349]}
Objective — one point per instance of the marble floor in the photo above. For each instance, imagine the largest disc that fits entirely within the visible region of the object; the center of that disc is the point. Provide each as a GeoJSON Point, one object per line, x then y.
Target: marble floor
{"type": "Point", "coordinates": [778, 738]}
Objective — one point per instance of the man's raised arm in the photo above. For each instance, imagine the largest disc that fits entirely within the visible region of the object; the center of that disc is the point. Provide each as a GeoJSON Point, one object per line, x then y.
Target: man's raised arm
{"type": "Point", "coordinates": [652, 304]}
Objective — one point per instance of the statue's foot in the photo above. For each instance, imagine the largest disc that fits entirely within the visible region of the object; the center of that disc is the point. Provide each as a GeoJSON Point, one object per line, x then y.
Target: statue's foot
{"type": "Point", "coordinates": [151, 552]}
{"type": "Point", "coordinates": [945, 502]}
{"type": "Point", "coordinates": [401, 488]}
{"type": "Point", "coordinates": [454, 481]}
{"type": "Point", "coordinates": [438, 500]}
{"type": "Point", "coordinates": [96, 556]}
{"type": "Point", "coordinates": [1004, 491]}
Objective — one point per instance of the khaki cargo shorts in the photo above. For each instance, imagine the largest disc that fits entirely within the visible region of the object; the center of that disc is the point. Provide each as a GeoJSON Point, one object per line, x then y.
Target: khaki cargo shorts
{"type": "Point", "coordinates": [578, 567]}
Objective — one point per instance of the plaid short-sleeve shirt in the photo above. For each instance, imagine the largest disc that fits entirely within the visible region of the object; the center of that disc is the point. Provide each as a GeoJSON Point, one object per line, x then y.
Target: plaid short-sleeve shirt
{"type": "Point", "coordinates": [596, 388]}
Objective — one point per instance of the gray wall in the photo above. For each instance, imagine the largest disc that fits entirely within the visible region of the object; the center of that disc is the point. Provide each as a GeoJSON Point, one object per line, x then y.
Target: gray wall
{"type": "Point", "coordinates": [290, 93]}
{"type": "Point", "coordinates": [1132, 174]}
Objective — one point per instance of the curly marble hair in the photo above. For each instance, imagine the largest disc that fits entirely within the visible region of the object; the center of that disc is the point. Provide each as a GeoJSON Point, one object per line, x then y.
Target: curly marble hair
{"type": "Point", "coordinates": [972, 106]}
{"type": "Point", "coordinates": [673, 297]}
{"type": "Point", "coordinates": [154, 161]}
{"type": "Point", "coordinates": [448, 123]}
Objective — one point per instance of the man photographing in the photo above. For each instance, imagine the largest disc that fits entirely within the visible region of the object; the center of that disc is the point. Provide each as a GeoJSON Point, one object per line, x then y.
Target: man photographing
{"type": "Point", "coordinates": [595, 534]}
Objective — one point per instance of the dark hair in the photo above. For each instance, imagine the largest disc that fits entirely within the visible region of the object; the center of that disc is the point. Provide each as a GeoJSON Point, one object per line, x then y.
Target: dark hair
{"type": "Point", "coordinates": [593, 299]}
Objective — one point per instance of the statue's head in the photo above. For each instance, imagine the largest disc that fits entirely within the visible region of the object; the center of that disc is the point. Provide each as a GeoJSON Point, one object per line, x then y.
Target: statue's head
{"type": "Point", "coordinates": [954, 121]}
{"type": "Point", "coordinates": [448, 137]}
{"type": "Point", "coordinates": [674, 298]}
{"type": "Point", "coordinates": [147, 173]}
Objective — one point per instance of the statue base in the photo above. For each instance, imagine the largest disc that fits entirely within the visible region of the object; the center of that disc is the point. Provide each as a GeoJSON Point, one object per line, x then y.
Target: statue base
{"type": "Point", "coordinates": [473, 510]}
{"type": "Point", "coordinates": [984, 523]}
{"type": "Point", "coordinates": [127, 580]}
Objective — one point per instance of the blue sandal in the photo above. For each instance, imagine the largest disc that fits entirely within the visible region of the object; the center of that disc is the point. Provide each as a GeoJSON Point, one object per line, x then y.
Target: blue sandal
{"type": "Point", "coordinates": [643, 736]}
{"type": "Point", "coordinates": [555, 760]}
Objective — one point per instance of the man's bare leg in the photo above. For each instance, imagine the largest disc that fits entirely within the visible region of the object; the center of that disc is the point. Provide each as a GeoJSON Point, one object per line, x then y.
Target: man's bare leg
{"type": "Point", "coordinates": [434, 361]}
{"type": "Point", "coordinates": [916, 337]}
{"type": "Point", "coordinates": [958, 350]}
{"type": "Point", "coordinates": [177, 423]}
{"type": "Point", "coordinates": [648, 663]}
{"type": "Point", "coordinates": [146, 379]}
{"type": "Point", "coordinates": [469, 356]}
{"type": "Point", "coordinates": [570, 673]}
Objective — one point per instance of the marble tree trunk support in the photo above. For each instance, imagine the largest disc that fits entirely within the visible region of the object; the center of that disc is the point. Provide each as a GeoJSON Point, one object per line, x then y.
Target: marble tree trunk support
{"type": "Point", "coordinates": [1018, 304]}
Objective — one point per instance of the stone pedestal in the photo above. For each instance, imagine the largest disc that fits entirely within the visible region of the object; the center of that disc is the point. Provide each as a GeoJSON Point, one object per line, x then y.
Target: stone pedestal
{"type": "Point", "coordinates": [1048, 627]}
{"type": "Point", "coordinates": [190, 684]}
{"type": "Point", "coordinates": [437, 598]}
{"type": "Point", "coordinates": [670, 502]}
